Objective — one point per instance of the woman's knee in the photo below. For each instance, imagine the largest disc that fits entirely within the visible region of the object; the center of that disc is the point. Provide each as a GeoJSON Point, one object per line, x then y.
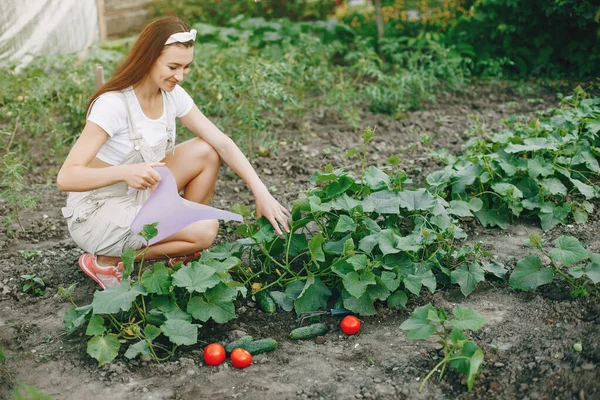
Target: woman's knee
{"type": "Point", "coordinates": [205, 152]}
{"type": "Point", "coordinates": [207, 233]}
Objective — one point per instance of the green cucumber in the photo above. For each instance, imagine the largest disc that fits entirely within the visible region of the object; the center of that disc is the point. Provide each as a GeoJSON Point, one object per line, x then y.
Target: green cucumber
{"type": "Point", "coordinates": [238, 343]}
{"type": "Point", "coordinates": [260, 346]}
{"type": "Point", "coordinates": [266, 302]}
{"type": "Point", "coordinates": [310, 331]}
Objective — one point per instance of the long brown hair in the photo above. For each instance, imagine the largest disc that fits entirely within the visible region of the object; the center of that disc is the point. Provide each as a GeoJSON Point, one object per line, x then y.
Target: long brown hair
{"type": "Point", "coordinates": [144, 52]}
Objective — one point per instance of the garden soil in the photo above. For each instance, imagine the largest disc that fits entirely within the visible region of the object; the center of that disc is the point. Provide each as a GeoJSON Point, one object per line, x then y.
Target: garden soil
{"type": "Point", "coordinates": [528, 340]}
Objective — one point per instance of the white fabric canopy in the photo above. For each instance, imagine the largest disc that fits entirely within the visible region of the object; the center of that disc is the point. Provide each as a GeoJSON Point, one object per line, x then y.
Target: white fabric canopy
{"type": "Point", "coordinates": [40, 27]}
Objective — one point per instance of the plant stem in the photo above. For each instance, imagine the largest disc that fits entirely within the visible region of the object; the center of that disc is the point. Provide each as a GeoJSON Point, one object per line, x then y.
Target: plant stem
{"type": "Point", "coordinates": [444, 360]}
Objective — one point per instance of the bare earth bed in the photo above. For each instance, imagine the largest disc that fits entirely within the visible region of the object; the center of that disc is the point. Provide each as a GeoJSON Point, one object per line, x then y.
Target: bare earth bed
{"type": "Point", "coordinates": [527, 342]}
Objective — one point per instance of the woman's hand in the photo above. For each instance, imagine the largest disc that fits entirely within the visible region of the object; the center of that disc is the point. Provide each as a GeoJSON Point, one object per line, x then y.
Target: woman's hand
{"type": "Point", "coordinates": [141, 176]}
{"type": "Point", "coordinates": [268, 207]}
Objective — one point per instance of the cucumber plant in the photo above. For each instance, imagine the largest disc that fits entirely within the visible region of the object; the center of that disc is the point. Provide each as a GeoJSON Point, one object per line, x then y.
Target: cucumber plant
{"type": "Point", "coordinates": [459, 352]}
{"type": "Point", "coordinates": [33, 285]}
{"type": "Point", "coordinates": [546, 168]}
{"type": "Point", "coordinates": [156, 310]}
{"type": "Point", "coordinates": [357, 241]}
{"type": "Point", "coordinates": [569, 260]}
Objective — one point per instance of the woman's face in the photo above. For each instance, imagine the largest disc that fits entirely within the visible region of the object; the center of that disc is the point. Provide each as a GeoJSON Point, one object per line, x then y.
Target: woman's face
{"type": "Point", "coordinates": [172, 66]}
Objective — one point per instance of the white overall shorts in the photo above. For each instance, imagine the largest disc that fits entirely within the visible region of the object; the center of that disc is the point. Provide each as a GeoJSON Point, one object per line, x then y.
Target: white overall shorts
{"type": "Point", "coordinates": [99, 220]}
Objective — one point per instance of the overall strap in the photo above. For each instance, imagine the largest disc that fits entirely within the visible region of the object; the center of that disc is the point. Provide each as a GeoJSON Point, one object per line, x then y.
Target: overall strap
{"type": "Point", "coordinates": [170, 123]}
{"type": "Point", "coordinates": [134, 134]}
{"type": "Point", "coordinates": [139, 144]}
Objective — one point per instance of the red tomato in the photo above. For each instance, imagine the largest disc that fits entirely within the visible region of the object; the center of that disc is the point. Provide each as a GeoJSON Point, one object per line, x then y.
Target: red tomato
{"type": "Point", "coordinates": [214, 354]}
{"type": "Point", "coordinates": [240, 358]}
{"type": "Point", "coordinates": [350, 325]}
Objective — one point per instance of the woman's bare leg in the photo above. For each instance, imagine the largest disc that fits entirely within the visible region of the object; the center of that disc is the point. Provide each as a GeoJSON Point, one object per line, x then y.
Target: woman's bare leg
{"type": "Point", "coordinates": [195, 167]}
{"type": "Point", "coordinates": [195, 237]}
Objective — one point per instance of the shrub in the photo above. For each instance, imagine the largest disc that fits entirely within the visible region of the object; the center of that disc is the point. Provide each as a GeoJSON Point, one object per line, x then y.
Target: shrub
{"type": "Point", "coordinates": [540, 37]}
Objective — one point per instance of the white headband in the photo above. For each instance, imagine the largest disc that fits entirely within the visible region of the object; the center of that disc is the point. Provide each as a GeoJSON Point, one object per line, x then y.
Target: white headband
{"type": "Point", "coordinates": [181, 37]}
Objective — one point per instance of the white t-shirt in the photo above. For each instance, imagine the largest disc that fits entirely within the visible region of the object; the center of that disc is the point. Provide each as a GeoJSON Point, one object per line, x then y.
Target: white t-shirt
{"type": "Point", "coordinates": [110, 114]}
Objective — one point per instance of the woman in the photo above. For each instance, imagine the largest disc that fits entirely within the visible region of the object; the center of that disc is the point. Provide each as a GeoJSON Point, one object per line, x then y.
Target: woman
{"type": "Point", "coordinates": [130, 129]}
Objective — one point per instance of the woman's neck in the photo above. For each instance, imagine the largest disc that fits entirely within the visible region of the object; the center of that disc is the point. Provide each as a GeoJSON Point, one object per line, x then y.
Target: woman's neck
{"type": "Point", "coordinates": [146, 90]}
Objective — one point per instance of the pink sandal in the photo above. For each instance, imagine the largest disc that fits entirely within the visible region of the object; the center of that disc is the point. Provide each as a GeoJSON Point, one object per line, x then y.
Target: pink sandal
{"type": "Point", "coordinates": [184, 259]}
{"type": "Point", "coordinates": [104, 276]}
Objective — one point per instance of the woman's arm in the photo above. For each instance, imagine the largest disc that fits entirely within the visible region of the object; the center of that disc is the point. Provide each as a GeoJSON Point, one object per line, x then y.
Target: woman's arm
{"type": "Point", "coordinates": [76, 175]}
{"type": "Point", "coordinates": [266, 205]}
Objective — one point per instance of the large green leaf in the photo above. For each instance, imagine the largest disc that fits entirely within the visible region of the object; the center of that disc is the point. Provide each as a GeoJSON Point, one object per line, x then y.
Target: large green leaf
{"type": "Point", "coordinates": [337, 246]}
{"type": "Point", "coordinates": [551, 215]}
{"type": "Point", "coordinates": [390, 280]}
{"type": "Point", "coordinates": [266, 233]}
{"type": "Point", "coordinates": [178, 314]}
{"type": "Point", "coordinates": [164, 303]}
{"type": "Point", "coordinates": [419, 199]}
{"type": "Point", "coordinates": [375, 178]}
{"type": "Point", "coordinates": [95, 326]}
{"type": "Point", "coordinates": [362, 305]}
{"type": "Point", "coordinates": [568, 250]}
{"type": "Point", "coordinates": [356, 284]}
{"type": "Point", "coordinates": [338, 187]}
{"type": "Point", "coordinates": [528, 274]}
{"type": "Point", "coordinates": [397, 299]}
{"type": "Point", "coordinates": [438, 178]}
{"type": "Point", "coordinates": [315, 247]}
{"type": "Point", "coordinates": [508, 190]}
{"type": "Point", "coordinates": [314, 295]}
{"type": "Point", "coordinates": [157, 280]}
{"type": "Point", "coordinates": [371, 225]}
{"type": "Point", "coordinates": [345, 224]}
{"type": "Point", "coordinates": [75, 318]}
{"type": "Point", "coordinates": [592, 270]}
{"type": "Point", "coordinates": [382, 202]}
{"type": "Point", "coordinates": [587, 190]}
{"type": "Point", "coordinates": [530, 144]}
{"type": "Point", "coordinates": [468, 277]}
{"type": "Point", "coordinates": [316, 205]}
{"type": "Point", "coordinates": [466, 318]}
{"type": "Point", "coordinates": [180, 332]}
{"type": "Point", "coordinates": [345, 202]}
{"type": "Point", "coordinates": [416, 276]}
{"type": "Point", "coordinates": [358, 261]}
{"type": "Point", "coordinates": [116, 298]}
{"type": "Point", "coordinates": [497, 218]}
{"type": "Point", "coordinates": [418, 326]}
{"type": "Point", "coordinates": [128, 259]}
{"type": "Point", "coordinates": [136, 349]}
{"type": "Point", "coordinates": [217, 303]}
{"type": "Point", "coordinates": [460, 208]}
{"type": "Point", "coordinates": [221, 251]}
{"type": "Point", "coordinates": [151, 332]}
{"type": "Point", "coordinates": [496, 269]}
{"type": "Point", "coordinates": [368, 243]}
{"type": "Point", "coordinates": [285, 299]}
{"type": "Point", "coordinates": [329, 174]}
{"type": "Point", "coordinates": [104, 348]}
{"type": "Point", "coordinates": [539, 166]}
{"type": "Point", "coordinates": [222, 267]}
{"type": "Point", "coordinates": [470, 365]}
{"type": "Point", "coordinates": [554, 186]}
{"type": "Point", "coordinates": [298, 244]}
{"type": "Point", "coordinates": [465, 176]}
{"type": "Point", "coordinates": [390, 243]}
{"type": "Point", "coordinates": [196, 277]}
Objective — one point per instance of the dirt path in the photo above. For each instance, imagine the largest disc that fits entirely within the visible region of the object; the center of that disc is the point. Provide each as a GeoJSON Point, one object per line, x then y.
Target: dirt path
{"type": "Point", "coordinates": [527, 341]}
